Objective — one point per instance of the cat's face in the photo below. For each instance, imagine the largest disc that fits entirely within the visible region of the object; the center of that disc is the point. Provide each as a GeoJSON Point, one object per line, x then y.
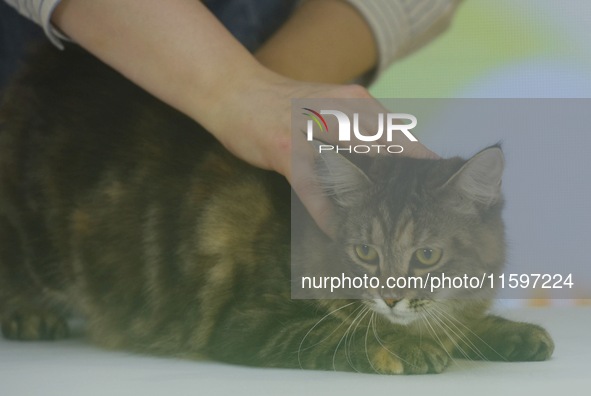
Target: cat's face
{"type": "Point", "coordinates": [416, 224]}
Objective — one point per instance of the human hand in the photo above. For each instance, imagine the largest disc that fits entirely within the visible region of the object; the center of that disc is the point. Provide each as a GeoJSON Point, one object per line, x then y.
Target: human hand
{"type": "Point", "coordinates": [255, 125]}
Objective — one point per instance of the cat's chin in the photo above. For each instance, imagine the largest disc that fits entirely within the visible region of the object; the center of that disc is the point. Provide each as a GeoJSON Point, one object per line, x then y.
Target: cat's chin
{"type": "Point", "coordinates": [400, 314]}
{"type": "Point", "coordinates": [404, 320]}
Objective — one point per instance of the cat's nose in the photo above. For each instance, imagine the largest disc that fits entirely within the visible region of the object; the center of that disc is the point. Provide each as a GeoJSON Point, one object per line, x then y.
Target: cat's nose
{"type": "Point", "coordinates": [391, 302]}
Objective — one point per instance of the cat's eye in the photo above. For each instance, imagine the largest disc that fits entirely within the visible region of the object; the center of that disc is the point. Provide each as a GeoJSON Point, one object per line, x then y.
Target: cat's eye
{"type": "Point", "coordinates": [367, 253]}
{"type": "Point", "coordinates": [428, 256]}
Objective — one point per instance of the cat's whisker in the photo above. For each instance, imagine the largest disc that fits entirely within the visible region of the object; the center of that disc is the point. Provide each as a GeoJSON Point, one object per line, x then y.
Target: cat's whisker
{"type": "Point", "coordinates": [446, 320]}
{"type": "Point", "coordinates": [457, 335]}
{"type": "Point", "coordinates": [369, 324]}
{"type": "Point", "coordinates": [435, 333]}
{"type": "Point", "coordinates": [300, 349]}
{"type": "Point", "coordinates": [456, 320]}
{"type": "Point", "coordinates": [456, 340]}
{"type": "Point", "coordinates": [420, 333]}
{"type": "Point", "coordinates": [358, 319]}
{"type": "Point", "coordinates": [439, 322]}
{"type": "Point", "coordinates": [350, 338]}
{"type": "Point", "coordinates": [344, 338]}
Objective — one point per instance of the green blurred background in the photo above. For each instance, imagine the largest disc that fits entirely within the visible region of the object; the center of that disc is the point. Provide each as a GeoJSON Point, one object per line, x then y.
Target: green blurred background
{"type": "Point", "coordinates": [501, 48]}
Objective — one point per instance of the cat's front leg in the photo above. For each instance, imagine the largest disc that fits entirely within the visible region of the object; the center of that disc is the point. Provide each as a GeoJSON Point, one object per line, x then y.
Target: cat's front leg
{"type": "Point", "coordinates": [410, 356]}
{"type": "Point", "coordinates": [33, 324]}
{"type": "Point", "coordinates": [385, 350]}
{"type": "Point", "coordinates": [354, 342]}
{"type": "Point", "coordinates": [500, 339]}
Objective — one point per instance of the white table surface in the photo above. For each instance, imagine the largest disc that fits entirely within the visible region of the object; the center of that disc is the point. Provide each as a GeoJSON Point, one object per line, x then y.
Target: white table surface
{"type": "Point", "coordinates": [74, 367]}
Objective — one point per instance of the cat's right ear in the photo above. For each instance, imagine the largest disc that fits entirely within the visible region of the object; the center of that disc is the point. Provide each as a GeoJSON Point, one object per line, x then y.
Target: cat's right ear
{"type": "Point", "coordinates": [340, 179]}
{"type": "Point", "coordinates": [479, 179]}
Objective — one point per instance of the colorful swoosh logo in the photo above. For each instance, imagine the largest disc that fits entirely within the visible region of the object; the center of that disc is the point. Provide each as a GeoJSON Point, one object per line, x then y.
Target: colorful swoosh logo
{"type": "Point", "coordinates": [317, 118]}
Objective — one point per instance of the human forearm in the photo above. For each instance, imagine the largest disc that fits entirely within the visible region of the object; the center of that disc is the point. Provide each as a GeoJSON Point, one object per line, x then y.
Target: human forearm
{"type": "Point", "coordinates": [324, 41]}
{"type": "Point", "coordinates": [175, 49]}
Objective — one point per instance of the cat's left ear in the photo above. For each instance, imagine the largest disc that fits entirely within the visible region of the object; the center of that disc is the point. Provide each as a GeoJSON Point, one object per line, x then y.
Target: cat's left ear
{"type": "Point", "coordinates": [479, 179]}
{"type": "Point", "coordinates": [340, 178]}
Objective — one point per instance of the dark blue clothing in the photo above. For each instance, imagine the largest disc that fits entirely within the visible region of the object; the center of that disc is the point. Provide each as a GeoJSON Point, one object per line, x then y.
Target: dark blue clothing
{"type": "Point", "coordinates": [250, 21]}
{"type": "Point", "coordinates": [16, 32]}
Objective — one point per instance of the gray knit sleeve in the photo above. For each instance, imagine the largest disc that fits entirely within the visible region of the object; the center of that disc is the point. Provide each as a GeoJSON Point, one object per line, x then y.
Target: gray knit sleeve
{"type": "Point", "coordinates": [39, 11]}
{"type": "Point", "coordinates": [401, 26]}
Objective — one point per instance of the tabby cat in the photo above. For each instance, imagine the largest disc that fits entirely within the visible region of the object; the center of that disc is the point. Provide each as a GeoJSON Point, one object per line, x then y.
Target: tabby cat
{"type": "Point", "coordinates": [115, 207]}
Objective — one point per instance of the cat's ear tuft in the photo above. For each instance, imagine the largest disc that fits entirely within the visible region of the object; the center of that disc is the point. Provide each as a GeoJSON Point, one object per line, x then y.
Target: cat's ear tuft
{"type": "Point", "coordinates": [342, 180]}
{"type": "Point", "coordinates": [479, 179]}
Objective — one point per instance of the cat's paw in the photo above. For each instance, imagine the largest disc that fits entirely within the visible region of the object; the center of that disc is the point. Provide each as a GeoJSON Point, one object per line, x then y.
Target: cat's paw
{"type": "Point", "coordinates": [411, 358]}
{"type": "Point", "coordinates": [34, 325]}
{"type": "Point", "coordinates": [527, 343]}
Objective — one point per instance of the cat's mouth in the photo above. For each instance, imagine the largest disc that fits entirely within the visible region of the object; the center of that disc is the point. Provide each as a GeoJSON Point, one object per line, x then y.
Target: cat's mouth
{"type": "Point", "coordinates": [398, 311]}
